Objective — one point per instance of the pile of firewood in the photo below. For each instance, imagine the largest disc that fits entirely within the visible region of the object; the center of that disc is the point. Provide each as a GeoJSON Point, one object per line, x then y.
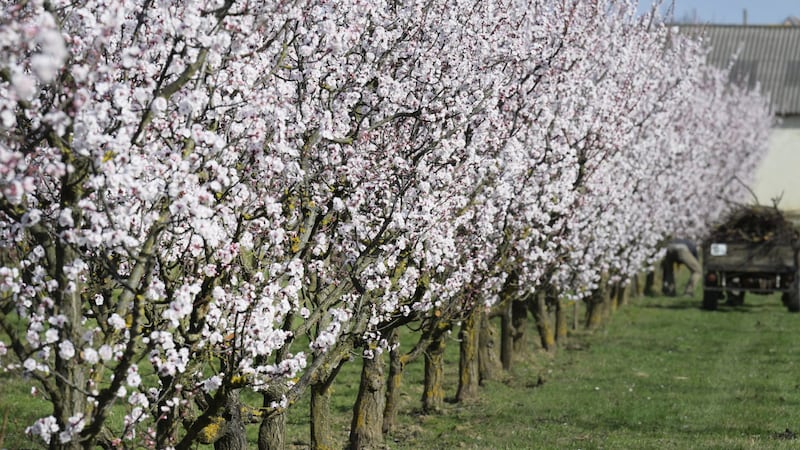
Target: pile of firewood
{"type": "Point", "coordinates": [755, 224]}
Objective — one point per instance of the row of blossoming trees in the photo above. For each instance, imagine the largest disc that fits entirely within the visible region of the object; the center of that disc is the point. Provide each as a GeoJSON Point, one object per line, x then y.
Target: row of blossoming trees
{"type": "Point", "coordinates": [201, 197]}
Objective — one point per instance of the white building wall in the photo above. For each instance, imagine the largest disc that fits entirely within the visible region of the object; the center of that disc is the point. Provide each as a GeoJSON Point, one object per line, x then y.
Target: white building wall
{"type": "Point", "coordinates": [779, 173]}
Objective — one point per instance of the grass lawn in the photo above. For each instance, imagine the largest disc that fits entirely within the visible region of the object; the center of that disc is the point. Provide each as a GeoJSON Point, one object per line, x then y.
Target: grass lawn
{"type": "Point", "coordinates": [661, 374]}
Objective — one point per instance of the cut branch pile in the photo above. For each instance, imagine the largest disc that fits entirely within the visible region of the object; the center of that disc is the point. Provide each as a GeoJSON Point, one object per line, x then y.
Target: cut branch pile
{"type": "Point", "coordinates": [756, 224]}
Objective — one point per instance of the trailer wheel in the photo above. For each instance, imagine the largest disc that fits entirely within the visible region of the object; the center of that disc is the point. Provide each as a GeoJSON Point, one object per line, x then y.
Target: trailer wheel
{"type": "Point", "coordinates": [791, 299]}
{"type": "Point", "coordinates": [735, 298]}
{"type": "Point", "coordinates": [710, 299]}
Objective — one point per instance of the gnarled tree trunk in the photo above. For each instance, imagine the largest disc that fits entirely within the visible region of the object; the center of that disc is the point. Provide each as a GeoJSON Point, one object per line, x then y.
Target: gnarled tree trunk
{"type": "Point", "coordinates": [468, 359]}
{"type": "Point", "coordinates": [561, 319]}
{"type": "Point", "coordinates": [233, 435]}
{"type": "Point", "coordinates": [597, 306]}
{"type": "Point", "coordinates": [506, 334]}
{"type": "Point", "coordinates": [320, 410]}
{"type": "Point", "coordinates": [623, 294]}
{"type": "Point", "coordinates": [433, 390]}
{"type": "Point", "coordinates": [538, 308]}
{"type": "Point", "coordinates": [272, 431]}
{"type": "Point", "coordinates": [488, 362]}
{"type": "Point", "coordinates": [519, 323]}
{"type": "Point", "coordinates": [396, 367]}
{"type": "Point", "coordinates": [366, 429]}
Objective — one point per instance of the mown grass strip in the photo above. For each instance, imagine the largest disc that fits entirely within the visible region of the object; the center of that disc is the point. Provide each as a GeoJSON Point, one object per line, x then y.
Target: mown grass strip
{"type": "Point", "coordinates": [661, 374]}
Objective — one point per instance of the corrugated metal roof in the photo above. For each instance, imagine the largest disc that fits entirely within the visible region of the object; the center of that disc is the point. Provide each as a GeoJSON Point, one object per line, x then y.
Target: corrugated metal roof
{"type": "Point", "coordinates": [768, 55]}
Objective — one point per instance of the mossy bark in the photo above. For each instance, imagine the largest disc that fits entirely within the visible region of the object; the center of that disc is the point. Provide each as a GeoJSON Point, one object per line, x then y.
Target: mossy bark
{"type": "Point", "coordinates": [433, 390]}
{"type": "Point", "coordinates": [637, 285]}
{"type": "Point", "coordinates": [328, 365]}
{"type": "Point", "coordinates": [612, 297]}
{"type": "Point", "coordinates": [598, 306]}
{"type": "Point", "coordinates": [594, 313]}
{"type": "Point", "coordinates": [623, 294]}
{"type": "Point", "coordinates": [538, 306]}
{"type": "Point", "coordinates": [233, 434]}
{"type": "Point", "coordinates": [654, 281]}
{"type": "Point", "coordinates": [396, 367]}
{"type": "Point", "coordinates": [488, 362]}
{"type": "Point", "coordinates": [506, 335]}
{"type": "Point", "coordinates": [561, 320]}
{"type": "Point", "coordinates": [366, 429]}
{"type": "Point", "coordinates": [468, 377]}
{"type": "Point", "coordinates": [320, 412]}
{"type": "Point", "coordinates": [519, 324]}
{"type": "Point", "coordinates": [272, 431]}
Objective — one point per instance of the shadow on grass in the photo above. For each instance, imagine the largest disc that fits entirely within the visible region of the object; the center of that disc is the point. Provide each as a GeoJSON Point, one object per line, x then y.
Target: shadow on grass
{"type": "Point", "coordinates": [670, 302]}
{"type": "Point", "coordinates": [688, 303]}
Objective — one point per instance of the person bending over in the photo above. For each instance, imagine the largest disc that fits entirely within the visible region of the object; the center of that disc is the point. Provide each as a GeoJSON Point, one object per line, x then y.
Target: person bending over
{"type": "Point", "coordinates": [681, 251]}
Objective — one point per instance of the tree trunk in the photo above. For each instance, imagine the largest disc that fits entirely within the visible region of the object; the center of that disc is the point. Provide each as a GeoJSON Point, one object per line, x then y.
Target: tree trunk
{"type": "Point", "coordinates": [613, 292]}
{"type": "Point", "coordinates": [593, 310]}
{"type": "Point", "coordinates": [608, 301]}
{"type": "Point", "coordinates": [366, 427]}
{"type": "Point", "coordinates": [653, 281]}
{"type": "Point", "coordinates": [433, 390]}
{"type": "Point", "coordinates": [561, 320]}
{"type": "Point", "coordinates": [538, 308]}
{"type": "Point", "coordinates": [597, 306]}
{"type": "Point", "coordinates": [272, 431]}
{"type": "Point", "coordinates": [488, 362]}
{"type": "Point", "coordinates": [234, 434]}
{"type": "Point", "coordinates": [637, 285]}
{"type": "Point", "coordinates": [320, 413]}
{"type": "Point", "coordinates": [468, 359]}
{"type": "Point", "coordinates": [506, 335]}
{"type": "Point", "coordinates": [623, 294]}
{"type": "Point", "coordinates": [519, 324]}
{"type": "Point", "coordinates": [331, 363]}
{"type": "Point", "coordinates": [396, 367]}
{"type": "Point", "coordinates": [649, 284]}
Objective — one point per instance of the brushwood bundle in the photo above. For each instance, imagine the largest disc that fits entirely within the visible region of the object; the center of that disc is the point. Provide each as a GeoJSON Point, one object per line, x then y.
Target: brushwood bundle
{"type": "Point", "coordinates": [756, 224]}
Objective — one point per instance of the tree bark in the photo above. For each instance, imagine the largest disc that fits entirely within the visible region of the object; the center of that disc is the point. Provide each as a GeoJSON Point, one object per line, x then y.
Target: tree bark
{"type": "Point", "coordinates": [506, 335]}
{"type": "Point", "coordinates": [272, 431]}
{"type": "Point", "coordinates": [234, 434]}
{"type": "Point", "coordinates": [561, 320]}
{"type": "Point", "coordinates": [654, 281]}
{"type": "Point", "coordinates": [623, 294]}
{"type": "Point", "coordinates": [320, 411]}
{"type": "Point", "coordinates": [649, 284]}
{"type": "Point", "coordinates": [538, 307]}
{"type": "Point", "coordinates": [468, 360]}
{"type": "Point", "coordinates": [637, 285]}
{"type": "Point", "coordinates": [593, 310]}
{"type": "Point", "coordinates": [597, 306]}
{"type": "Point", "coordinates": [433, 390]}
{"type": "Point", "coordinates": [488, 362]}
{"type": "Point", "coordinates": [613, 292]}
{"type": "Point", "coordinates": [519, 323]}
{"type": "Point", "coordinates": [366, 429]}
{"type": "Point", "coordinates": [396, 367]}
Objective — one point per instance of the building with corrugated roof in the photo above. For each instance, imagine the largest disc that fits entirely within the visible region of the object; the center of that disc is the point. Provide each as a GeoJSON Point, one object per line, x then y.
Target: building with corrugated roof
{"type": "Point", "coordinates": [767, 56]}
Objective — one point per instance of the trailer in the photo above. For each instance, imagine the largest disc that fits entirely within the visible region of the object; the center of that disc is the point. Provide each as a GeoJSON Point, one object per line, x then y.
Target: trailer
{"type": "Point", "coordinates": [756, 249]}
{"type": "Point", "coordinates": [732, 268]}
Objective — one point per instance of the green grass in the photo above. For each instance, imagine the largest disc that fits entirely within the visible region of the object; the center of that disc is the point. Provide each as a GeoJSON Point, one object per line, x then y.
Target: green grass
{"type": "Point", "coordinates": [661, 374]}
